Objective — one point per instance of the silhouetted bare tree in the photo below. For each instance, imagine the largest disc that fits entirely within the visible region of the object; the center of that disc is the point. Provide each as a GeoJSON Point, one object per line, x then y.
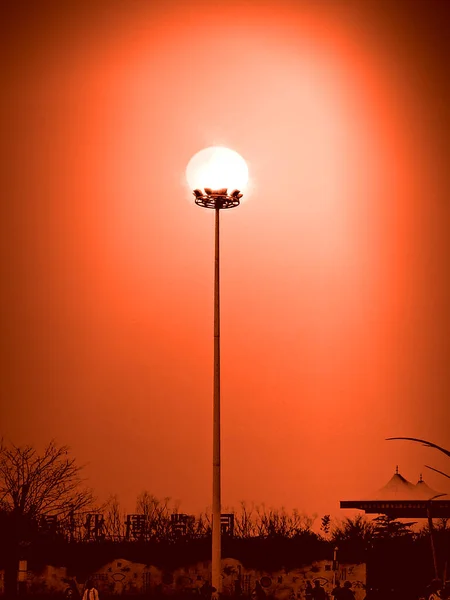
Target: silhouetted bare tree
{"type": "Point", "coordinates": [157, 513]}
{"type": "Point", "coordinates": [114, 520]}
{"type": "Point", "coordinates": [259, 521]}
{"type": "Point", "coordinates": [244, 521]}
{"type": "Point", "coordinates": [35, 485]}
{"type": "Point", "coordinates": [274, 522]}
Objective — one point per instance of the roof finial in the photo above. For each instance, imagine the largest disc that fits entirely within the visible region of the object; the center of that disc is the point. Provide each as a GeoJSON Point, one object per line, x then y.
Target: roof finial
{"type": "Point", "coordinates": [396, 469]}
{"type": "Point", "coordinates": [420, 478]}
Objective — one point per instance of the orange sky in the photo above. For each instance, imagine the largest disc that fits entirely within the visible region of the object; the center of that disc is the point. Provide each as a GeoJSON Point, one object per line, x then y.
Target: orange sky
{"type": "Point", "coordinates": [335, 291]}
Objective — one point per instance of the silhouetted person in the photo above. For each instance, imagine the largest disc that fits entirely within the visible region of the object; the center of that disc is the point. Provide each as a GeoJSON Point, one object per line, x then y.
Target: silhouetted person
{"type": "Point", "coordinates": [337, 591]}
{"type": "Point", "coordinates": [259, 594]}
{"type": "Point", "coordinates": [159, 591]}
{"type": "Point", "coordinates": [207, 590]}
{"type": "Point", "coordinates": [308, 591]}
{"type": "Point", "coordinates": [347, 593]}
{"type": "Point", "coordinates": [72, 592]}
{"type": "Point", "coordinates": [434, 590]}
{"type": "Point", "coordinates": [91, 592]}
{"type": "Point", "coordinates": [318, 592]}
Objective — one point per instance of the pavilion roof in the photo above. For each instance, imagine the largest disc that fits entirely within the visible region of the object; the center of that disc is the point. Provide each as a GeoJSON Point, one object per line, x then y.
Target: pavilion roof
{"type": "Point", "coordinates": [399, 488]}
{"type": "Point", "coordinates": [399, 497]}
{"type": "Point", "coordinates": [425, 489]}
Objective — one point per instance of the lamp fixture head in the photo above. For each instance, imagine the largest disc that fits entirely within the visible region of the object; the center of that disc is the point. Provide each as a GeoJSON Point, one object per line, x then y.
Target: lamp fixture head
{"type": "Point", "coordinates": [212, 172]}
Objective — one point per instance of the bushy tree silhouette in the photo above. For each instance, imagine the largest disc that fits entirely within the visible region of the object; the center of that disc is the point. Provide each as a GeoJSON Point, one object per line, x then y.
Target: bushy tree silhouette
{"type": "Point", "coordinates": [386, 527]}
{"type": "Point", "coordinates": [353, 536]}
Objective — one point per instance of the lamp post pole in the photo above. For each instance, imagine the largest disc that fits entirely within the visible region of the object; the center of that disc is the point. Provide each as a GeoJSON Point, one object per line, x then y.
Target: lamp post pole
{"type": "Point", "coordinates": [216, 503]}
{"type": "Point", "coordinates": [218, 200]}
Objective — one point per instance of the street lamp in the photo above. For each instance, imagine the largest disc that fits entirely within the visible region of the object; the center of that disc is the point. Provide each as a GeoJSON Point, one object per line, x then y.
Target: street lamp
{"type": "Point", "coordinates": [210, 174]}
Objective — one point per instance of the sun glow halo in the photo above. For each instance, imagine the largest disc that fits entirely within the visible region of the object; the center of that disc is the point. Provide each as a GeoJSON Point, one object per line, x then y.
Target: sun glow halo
{"type": "Point", "coordinates": [217, 167]}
